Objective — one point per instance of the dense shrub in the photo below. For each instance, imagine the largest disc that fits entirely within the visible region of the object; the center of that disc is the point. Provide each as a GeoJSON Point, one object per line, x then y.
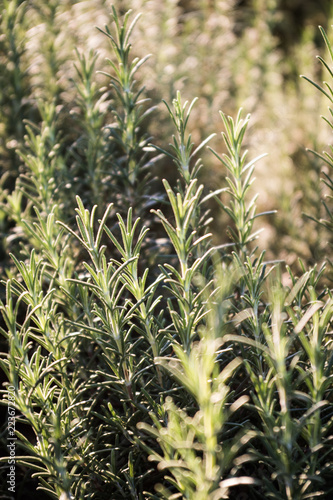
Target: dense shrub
{"type": "Point", "coordinates": [142, 357]}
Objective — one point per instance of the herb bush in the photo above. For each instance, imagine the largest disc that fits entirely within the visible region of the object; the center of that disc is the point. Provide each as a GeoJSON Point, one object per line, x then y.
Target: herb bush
{"type": "Point", "coordinates": [146, 361]}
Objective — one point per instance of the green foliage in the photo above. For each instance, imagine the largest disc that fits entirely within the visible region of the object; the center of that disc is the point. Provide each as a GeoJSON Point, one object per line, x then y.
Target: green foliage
{"type": "Point", "coordinates": [327, 220]}
{"type": "Point", "coordinates": [146, 361]}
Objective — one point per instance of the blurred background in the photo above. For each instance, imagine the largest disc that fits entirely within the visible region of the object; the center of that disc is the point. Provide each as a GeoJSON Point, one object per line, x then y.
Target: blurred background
{"type": "Point", "coordinates": [229, 54]}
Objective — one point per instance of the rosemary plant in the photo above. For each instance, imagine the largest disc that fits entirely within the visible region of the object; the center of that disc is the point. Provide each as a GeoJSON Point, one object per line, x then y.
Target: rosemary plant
{"type": "Point", "coordinates": [140, 360]}
{"type": "Point", "coordinates": [327, 220]}
{"type": "Point", "coordinates": [127, 141]}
